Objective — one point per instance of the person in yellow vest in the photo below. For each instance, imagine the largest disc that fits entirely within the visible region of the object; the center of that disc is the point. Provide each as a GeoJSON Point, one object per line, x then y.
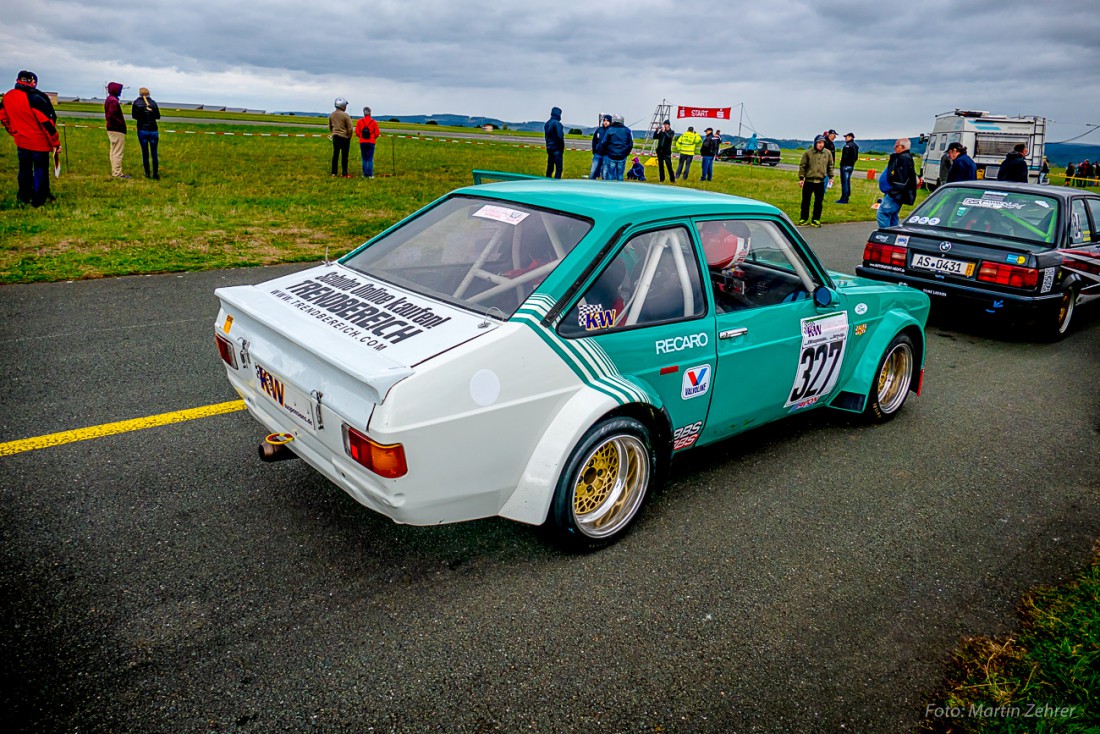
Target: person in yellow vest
{"type": "Point", "coordinates": [687, 145]}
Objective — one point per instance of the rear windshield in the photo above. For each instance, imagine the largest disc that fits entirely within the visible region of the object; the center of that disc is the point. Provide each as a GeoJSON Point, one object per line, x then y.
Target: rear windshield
{"type": "Point", "coordinates": [482, 254]}
{"type": "Point", "coordinates": [1019, 215]}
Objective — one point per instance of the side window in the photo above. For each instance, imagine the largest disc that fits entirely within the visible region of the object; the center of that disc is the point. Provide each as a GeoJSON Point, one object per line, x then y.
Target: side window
{"type": "Point", "coordinates": [654, 279]}
{"type": "Point", "coordinates": [1078, 223]}
{"type": "Point", "coordinates": [1094, 209]}
{"type": "Point", "coordinates": [752, 264]}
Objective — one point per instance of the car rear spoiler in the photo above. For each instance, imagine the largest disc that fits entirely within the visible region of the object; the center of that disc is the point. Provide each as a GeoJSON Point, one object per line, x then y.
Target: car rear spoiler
{"type": "Point", "coordinates": [481, 176]}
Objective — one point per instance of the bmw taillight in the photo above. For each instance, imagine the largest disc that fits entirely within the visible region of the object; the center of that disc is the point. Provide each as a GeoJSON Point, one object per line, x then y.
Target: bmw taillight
{"type": "Point", "coordinates": [385, 461]}
{"type": "Point", "coordinates": [1010, 275]}
{"type": "Point", "coordinates": [226, 350]}
{"type": "Point", "coordinates": [885, 254]}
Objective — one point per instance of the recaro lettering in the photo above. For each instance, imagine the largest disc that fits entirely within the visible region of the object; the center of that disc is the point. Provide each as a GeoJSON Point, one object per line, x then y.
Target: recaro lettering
{"type": "Point", "coordinates": [680, 343]}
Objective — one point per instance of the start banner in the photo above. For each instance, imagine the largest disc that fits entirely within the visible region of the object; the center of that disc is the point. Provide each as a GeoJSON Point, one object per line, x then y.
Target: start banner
{"type": "Point", "coordinates": [720, 113]}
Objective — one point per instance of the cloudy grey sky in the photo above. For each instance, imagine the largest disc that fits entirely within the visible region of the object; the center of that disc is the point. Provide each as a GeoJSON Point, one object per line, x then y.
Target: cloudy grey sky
{"type": "Point", "coordinates": [875, 67]}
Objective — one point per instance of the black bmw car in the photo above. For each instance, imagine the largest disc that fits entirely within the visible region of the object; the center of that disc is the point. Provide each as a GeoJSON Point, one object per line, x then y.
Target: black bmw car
{"type": "Point", "coordinates": [1022, 252]}
{"type": "Point", "coordinates": [767, 153]}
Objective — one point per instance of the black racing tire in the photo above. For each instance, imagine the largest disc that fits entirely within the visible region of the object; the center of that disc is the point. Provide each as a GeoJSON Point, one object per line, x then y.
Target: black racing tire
{"type": "Point", "coordinates": [1055, 327]}
{"type": "Point", "coordinates": [893, 379]}
{"type": "Point", "coordinates": [602, 485]}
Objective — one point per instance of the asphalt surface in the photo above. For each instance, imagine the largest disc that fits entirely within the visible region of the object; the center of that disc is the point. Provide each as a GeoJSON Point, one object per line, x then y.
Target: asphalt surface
{"type": "Point", "coordinates": [810, 576]}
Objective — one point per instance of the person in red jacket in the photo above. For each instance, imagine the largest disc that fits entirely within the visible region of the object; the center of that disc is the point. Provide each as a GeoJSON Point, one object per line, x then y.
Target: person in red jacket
{"type": "Point", "coordinates": [367, 131]}
{"type": "Point", "coordinates": [28, 116]}
{"type": "Point", "coordinates": [116, 128]}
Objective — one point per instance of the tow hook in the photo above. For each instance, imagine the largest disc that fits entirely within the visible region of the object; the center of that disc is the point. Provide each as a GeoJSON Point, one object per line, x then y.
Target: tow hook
{"type": "Point", "coordinates": [275, 447]}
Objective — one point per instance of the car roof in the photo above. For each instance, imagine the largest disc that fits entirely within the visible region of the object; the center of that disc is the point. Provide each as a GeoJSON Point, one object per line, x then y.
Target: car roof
{"type": "Point", "coordinates": [1058, 192]}
{"type": "Point", "coordinates": [600, 199]}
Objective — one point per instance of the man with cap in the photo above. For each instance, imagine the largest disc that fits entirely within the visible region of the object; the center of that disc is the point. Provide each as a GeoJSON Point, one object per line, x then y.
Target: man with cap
{"type": "Point", "coordinates": [664, 137]}
{"type": "Point", "coordinates": [597, 158]}
{"type": "Point", "coordinates": [555, 143]}
{"type": "Point", "coordinates": [963, 167]}
{"type": "Point", "coordinates": [708, 150]}
{"type": "Point", "coordinates": [341, 128]}
{"type": "Point", "coordinates": [849, 154]}
{"type": "Point", "coordinates": [28, 116]}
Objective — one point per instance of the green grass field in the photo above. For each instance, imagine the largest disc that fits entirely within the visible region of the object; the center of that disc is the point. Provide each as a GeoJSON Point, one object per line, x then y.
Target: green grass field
{"type": "Point", "coordinates": [230, 201]}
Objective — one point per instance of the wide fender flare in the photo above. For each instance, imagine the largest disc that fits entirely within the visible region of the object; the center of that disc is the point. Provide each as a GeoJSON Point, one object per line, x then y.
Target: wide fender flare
{"type": "Point", "coordinates": [866, 371]}
{"type": "Point", "coordinates": [530, 502]}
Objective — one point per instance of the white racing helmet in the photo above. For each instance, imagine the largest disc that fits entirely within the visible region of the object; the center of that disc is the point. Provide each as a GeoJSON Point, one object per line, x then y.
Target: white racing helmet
{"type": "Point", "coordinates": [341, 103]}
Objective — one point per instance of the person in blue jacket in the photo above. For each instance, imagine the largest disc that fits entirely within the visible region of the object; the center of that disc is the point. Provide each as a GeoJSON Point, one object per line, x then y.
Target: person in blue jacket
{"type": "Point", "coordinates": [555, 143]}
{"type": "Point", "coordinates": [963, 167]}
{"type": "Point", "coordinates": [615, 147]}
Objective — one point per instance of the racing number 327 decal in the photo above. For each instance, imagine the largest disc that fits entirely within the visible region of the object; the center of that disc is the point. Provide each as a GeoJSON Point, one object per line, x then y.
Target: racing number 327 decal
{"type": "Point", "coordinates": [819, 360]}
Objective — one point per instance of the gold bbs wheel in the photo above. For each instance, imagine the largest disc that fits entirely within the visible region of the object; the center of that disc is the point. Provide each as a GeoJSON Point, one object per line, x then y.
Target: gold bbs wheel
{"type": "Point", "coordinates": [894, 378]}
{"type": "Point", "coordinates": [603, 484]}
{"type": "Point", "coordinates": [610, 486]}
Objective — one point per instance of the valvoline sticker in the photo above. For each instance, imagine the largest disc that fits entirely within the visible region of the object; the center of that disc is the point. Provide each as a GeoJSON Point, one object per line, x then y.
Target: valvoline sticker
{"type": "Point", "coordinates": [696, 382]}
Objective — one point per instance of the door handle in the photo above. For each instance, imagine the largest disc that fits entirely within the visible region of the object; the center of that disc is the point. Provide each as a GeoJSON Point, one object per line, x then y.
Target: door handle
{"type": "Point", "coordinates": [731, 333]}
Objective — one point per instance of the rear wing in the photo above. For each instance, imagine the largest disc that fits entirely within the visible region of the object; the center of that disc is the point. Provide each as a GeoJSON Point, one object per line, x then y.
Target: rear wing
{"type": "Point", "coordinates": [481, 176]}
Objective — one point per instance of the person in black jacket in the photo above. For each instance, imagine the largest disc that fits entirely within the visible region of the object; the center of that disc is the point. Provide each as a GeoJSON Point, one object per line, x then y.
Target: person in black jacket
{"type": "Point", "coordinates": [597, 158]}
{"type": "Point", "coordinates": [900, 186]}
{"type": "Point", "coordinates": [665, 136]}
{"type": "Point", "coordinates": [555, 143]}
{"type": "Point", "coordinates": [1014, 166]}
{"type": "Point", "coordinates": [848, 157]}
{"type": "Point", "coordinates": [145, 111]}
{"type": "Point", "coordinates": [708, 150]}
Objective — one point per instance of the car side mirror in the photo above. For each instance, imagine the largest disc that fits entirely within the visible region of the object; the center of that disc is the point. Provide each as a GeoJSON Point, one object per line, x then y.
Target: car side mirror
{"type": "Point", "coordinates": [823, 296]}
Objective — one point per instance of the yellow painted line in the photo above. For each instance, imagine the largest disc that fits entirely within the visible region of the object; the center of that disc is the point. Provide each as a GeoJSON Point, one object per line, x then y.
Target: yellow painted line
{"type": "Point", "coordinates": [110, 429]}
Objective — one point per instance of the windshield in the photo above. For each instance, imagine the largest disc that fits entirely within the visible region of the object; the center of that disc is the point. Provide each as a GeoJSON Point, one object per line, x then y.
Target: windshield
{"type": "Point", "coordinates": [481, 254]}
{"type": "Point", "coordinates": [1019, 215]}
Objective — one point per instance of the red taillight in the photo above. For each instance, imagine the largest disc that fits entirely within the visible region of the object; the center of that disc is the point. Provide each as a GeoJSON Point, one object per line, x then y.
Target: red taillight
{"type": "Point", "coordinates": [1010, 275]}
{"type": "Point", "coordinates": [385, 461]}
{"type": "Point", "coordinates": [226, 350]}
{"type": "Point", "coordinates": [885, 254]}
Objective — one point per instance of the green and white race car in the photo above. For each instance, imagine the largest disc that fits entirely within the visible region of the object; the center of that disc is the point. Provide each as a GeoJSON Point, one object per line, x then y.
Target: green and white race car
{"type": "Point", "coordinates": [540, 349]}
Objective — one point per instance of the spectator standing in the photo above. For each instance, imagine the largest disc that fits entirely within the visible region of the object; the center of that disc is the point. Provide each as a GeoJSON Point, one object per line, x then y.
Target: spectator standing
{"type": "Point", "coordinates": [830, 136]}
{"type": "Point", "coordinates": [116, 128]}
{"type": "Point", "coordinates": [597, 158]}
{"type": "Point", "coordinates": [555, 143]}
{"type": "Point", "coordinates": [849, 154]}
{"type": "Point", "coordinates": [664, 151]}
{"type": "Point", "coordinates": [366, 130]}
{"type": "Point", "coordinates": [146, 112]}
{"type": "Point", "coordinates": [708, 150]}
{"type": "Point", "coordinates": [28, 116]}
{"type": "Point", "coordinates": [963, 167]}
{"type": "Point", "coordinates": [1084, 173]}
{"type": "Point", "coordinates": [1044, 171]}
{"type": "Point", "coordinates": [615, 146]}
{"type": "Point", "coordinates": [900, 185]}
{"type": "Point", "coordinates": [1071, 171]}
{"type": "Point", "coordinates": [687, 146]}
{"type": "Point", "coordinates": [945, 166]}
{"type": "Point", "coordinates": [339, 124]}
{"type": "Point", "coordinates": [1014, 166]}
{"type": "Point", "coordinates": [814, 169]}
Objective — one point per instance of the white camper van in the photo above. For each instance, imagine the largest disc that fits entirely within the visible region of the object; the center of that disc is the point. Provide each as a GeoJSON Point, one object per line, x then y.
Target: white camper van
{"type": "Point", "coordinates": [988, 139]}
